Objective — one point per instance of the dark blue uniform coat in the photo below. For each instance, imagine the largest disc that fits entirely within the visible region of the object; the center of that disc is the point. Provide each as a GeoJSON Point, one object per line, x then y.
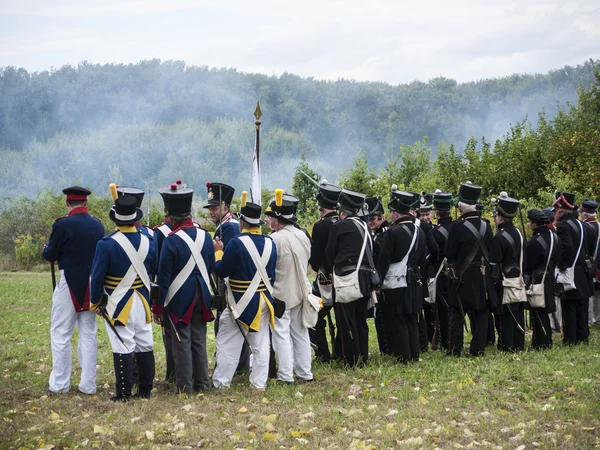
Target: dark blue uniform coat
{"type": "Point", "coordinates": [111, 263]}
{"type": "Point", "coordinates": [73, 244]}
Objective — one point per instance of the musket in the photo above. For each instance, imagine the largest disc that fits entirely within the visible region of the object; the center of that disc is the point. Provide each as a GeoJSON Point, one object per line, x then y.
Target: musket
{"type": "Point", "coordinates": [524, 238]}
{"type": "Point", "coordinates": [537, 314]}
{"type": "Point", "coordinates": [522, 222]}
{"type": "Point", "coordinates": [53, 275]}
{"type": "Point", "coordinates": [512, 314]}
{"type": "Point", "coordinates": [436, 327]}
{"type": "Point", "coordinates": [556, 322]}
{"type": "Point", "coordinates": [309, 177]}
{"type": "Point", "coordinates": [104, 314]}
{"type": "Point", "coordinates": [173, 326]}
{"type": "Point", "coordinates": [240, 328]}
{"type": "Point", "coordinates": [220, 212]}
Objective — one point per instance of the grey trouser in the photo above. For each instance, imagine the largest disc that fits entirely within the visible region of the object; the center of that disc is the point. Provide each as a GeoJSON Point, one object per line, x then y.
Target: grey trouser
{"type": "Point", "coordinates": [191, 361]}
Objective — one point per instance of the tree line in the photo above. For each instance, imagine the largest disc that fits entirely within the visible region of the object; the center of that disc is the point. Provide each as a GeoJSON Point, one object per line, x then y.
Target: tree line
{"type": "Point", "coordinates": [146, 121]}
{"type": "Point", "coordinates": [529, 162]}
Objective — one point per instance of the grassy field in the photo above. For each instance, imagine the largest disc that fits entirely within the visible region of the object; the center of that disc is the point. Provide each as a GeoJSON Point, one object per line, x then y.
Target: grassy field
{"type": "Point", "coordinates": [533, 399]}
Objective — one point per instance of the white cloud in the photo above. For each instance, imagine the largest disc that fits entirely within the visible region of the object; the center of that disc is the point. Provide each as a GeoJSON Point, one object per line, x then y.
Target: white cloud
{"type": "Point", "coordinates": [393, 41]}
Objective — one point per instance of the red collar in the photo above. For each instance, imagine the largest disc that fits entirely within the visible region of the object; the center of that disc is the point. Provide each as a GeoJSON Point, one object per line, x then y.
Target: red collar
{"type": "Point", "coordinates": [590, 219]}
{"type": "Point", "coordinates": [228, 217]}
{"type": "Point", "coordinates": [78, 210]}
{"type": "Point", "coordinates": [185, 224]}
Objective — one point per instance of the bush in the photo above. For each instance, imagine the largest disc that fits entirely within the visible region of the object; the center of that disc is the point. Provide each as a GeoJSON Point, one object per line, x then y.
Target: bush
{"type": "Point", "coordinates": [28, 250]}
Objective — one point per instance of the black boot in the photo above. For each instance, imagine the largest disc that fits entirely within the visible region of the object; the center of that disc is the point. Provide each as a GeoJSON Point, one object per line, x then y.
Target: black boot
{"type": "Point", "coordinates": [146, 373]}
{"type": "Point", "coordinates": [124, 376]}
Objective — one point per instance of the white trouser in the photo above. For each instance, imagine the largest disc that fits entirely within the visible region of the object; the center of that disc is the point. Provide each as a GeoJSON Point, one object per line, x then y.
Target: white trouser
{"type": "Point", "coordinates": [137, 334]}
{"type": "Point", "coordinates": [291, 343]}
{"type": "Point", "coordinates": [594, 309]}
{"type": "Point", "coordinates": [62, 323]}
{"type": "Point", "coordinates": [229, 345]}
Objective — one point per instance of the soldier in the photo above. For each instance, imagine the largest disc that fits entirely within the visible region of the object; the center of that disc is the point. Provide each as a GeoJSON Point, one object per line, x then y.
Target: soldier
{"type": "Point", "coordinates": [290, 337]}
{"type": "Point", "coordinates": [401, 256]}
{"type": "Point", "coordinates": [506, 258]}
{"type": "Point", "coordinates": [295, 201]}
{"type": "Point", "coordinates": [249, 262]}
{"type": "Point", "coordinates": [164, 229]}
{"type": "Point", "coordinates": [425, 329]}
{"type": "Point", "coordinates": [378, 225]}
{"type": "Point", "coordinates": [219, 197]}
{"type": "Point", "coordinates": [442, 202]}
{"type": "Point", "coordinates": [161, 232]}
{"type": "Point", "coordinates": [347, 258]}
{"type": "Point", "coordinates": [73, 244]}
{"type": "Point", "coordinates": [572, 269]}
{"type": "Point", "coordinates": [327, 200]}
{"type": "Point", "coordinates": [425, 207]}
{"type": "Point", "coordinates": [470, 289]}
{"type": "Point", "coordinates": [186, 261]}
{"type": "Point", "coordinates": [542, 255]}
{"type": "Point", "coordinates": [139, 197]}
{"type": "Point", "coordinates": [123, 263]}
{"type": "Point", "coordinates": [427, 321]}
{"type": "Point", "coordinates": [588, 215]}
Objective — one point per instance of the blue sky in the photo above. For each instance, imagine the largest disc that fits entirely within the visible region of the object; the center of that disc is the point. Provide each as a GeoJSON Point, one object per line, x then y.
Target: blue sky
{"type": "Point", "coordinates": [392, 41]}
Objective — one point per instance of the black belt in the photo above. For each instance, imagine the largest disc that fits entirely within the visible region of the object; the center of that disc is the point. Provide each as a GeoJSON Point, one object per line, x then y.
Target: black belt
{"type": "Point", "coordinates": [351, 268]}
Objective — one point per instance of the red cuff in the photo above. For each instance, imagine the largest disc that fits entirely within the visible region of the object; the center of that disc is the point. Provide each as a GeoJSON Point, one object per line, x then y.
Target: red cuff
{"type": "Point", "coordinates": [157, 309]}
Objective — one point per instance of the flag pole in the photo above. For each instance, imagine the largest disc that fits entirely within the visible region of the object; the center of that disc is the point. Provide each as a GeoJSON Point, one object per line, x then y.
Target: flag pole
{"type": "Point", "coordinates": [256, 176]}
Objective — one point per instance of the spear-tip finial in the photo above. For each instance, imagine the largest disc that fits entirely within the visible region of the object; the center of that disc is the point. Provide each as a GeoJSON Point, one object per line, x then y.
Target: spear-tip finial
{"type": "Point", "coordinates": [257, 113]}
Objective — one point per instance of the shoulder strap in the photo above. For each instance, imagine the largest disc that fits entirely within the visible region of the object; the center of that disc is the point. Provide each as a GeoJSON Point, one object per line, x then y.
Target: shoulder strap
{"type": "Point", "coordinates": [260, 261]}
{"type": "Point", "coordinates": [367, 237]}
{"type": "Point", "coordinates": [549, 254]}
{"type": "Point", "coordinates": [136, 257]}
{"type": "Point", "coordinates": [580, 240]}
{"type": "Point", "coordinates": [414, 238]}
{"type": "Point", "coordinates": [195, 247]}
{"type": "Point", "coordinates": [164, 229]}
{"type": "Point", "coordinates": [443, 232]}
{"type": "Point", "coordinates": [479, 235]}
{"type": "Point", "coordinates": [597, 241]}
{"type": "Point", "coordinates": [542, 242]}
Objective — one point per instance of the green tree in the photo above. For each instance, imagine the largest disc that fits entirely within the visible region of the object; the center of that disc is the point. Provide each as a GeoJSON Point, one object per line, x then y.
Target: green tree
{"type": "Point", "coordinates": [360, 177]}
{"type": "Point", "coordinates": [306, 190]}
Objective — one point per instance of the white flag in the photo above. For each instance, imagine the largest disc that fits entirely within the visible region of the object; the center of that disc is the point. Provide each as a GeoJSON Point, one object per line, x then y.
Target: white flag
{"type": "Point", "coordinates": [256, 185]}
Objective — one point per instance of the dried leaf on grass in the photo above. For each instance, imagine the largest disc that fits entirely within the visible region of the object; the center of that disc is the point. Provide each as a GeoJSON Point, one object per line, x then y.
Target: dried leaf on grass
{"type": "Point", "coordinates": [103, 431]}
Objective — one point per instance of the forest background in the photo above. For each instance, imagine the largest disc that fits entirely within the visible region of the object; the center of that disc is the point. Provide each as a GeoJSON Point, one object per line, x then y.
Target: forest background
{"type": "Point", "coordinates": [150, 123]}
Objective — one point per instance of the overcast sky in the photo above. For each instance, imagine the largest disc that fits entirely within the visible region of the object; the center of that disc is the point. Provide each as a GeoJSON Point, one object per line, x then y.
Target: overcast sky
{"type": "Point", "coordinates": [377, 40]}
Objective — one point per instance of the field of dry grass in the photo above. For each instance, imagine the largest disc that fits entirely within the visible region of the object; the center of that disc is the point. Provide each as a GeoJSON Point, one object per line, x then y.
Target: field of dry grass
{"type": "Point", "coordinates": [529, 400]}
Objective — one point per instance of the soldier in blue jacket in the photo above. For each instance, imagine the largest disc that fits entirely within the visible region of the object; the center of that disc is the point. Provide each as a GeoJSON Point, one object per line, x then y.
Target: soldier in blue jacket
{"type": "Point", "coordinates": [249, 264]}
{"type": "Point", "coordinates": [186, 261]}
{"type": "Point", "coordinates": [139, 197]}
{"type": "Point", "coordinates": [219, 196]}
{"type": "Point", "coordinates": [123, 263]}
{"type": "Point", "coordinates": [73, 243]}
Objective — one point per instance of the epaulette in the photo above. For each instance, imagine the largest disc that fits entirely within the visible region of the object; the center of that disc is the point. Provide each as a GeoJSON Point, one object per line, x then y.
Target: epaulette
{"type": "Point", "coordinates": [58, 218]}
{"type": "Point", "coordinates": [109, 235]}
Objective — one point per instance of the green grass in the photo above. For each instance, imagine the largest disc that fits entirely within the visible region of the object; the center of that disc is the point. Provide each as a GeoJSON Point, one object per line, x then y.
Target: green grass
{"type": "Point", "coordinates": [533, 399]}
